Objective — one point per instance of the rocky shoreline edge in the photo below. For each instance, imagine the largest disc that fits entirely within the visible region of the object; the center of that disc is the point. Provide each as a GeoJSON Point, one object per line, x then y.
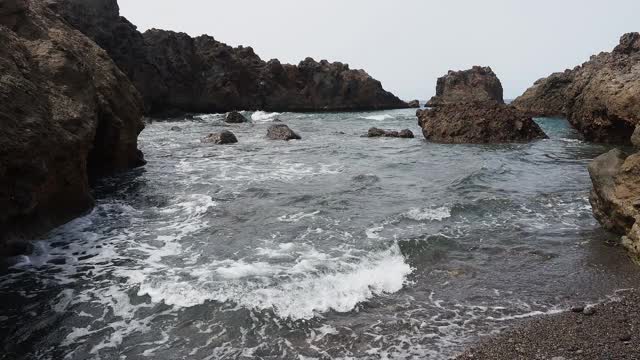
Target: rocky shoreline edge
{"type": "Point", "coordinates": [608, 330]}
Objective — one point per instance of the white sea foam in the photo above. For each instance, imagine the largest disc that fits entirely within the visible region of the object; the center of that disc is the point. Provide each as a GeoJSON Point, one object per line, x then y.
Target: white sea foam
{"type": "Point", "coordinates": [262, 116]}
{"type": "Point", "coordinates": [437, 214]}
{"type": "Point", "coordinates": [298, 216]}
{"type": "Point", "coordinates": [379, 117]}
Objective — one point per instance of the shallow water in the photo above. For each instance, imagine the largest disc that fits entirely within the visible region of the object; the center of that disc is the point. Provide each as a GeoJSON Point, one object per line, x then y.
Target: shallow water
{"type": "Point", "coordinates": [331, 247]}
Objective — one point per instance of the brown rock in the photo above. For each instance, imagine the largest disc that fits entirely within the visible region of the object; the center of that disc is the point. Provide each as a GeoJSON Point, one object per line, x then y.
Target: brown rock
{"type": "Point", "coordinates": [375, 132]}
{"type": "Point", "coordinates": [478, 123]}
{"type": "Point", "coordinates": [414, 104]}
{"type": "Point", "coordinates": [478, 84]}
{"type": "Point", "coordinates": [221, 138]}
{"type": "Point", "coordinates": [281, 132]}
{"type": "Point", "coordinates": [547, 97]}
{"type": "Point", "coordinates": [67, 114]}
{"type": "Point", "coordinates": [601, 98]}
{"type": "Point", "coordinates": [615, 197]}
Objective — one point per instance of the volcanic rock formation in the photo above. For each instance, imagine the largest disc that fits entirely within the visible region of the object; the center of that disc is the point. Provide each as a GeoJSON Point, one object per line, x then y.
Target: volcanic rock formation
{"type": "Point", "coordinates": [482, 122]}
{"type": "Point", "coordinates": [177, 73]}
{"type": "Point", "coordinates": [67, 114]}
{"type": "Point", "coordinates": [601, 98]}
{"type": "Point", "coordinates": [478, 84]}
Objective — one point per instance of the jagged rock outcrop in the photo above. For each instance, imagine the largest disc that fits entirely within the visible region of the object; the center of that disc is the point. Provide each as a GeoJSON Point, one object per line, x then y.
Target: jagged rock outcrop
{"type": "Point", "coordinates": [405, 134]}
{"type": "Point", "coordinates": [481, 122]}
{"type": "Point", "coordinates": [601, 97]}
{"type": "Point", "coordinates": [177, 73]}
{"type": "Point", "coordinates": [414, 104]}
{"type": "Point", "coordinates": [67, 114]}
{"type": "Point", "coordinates": [478, 84]}
{"type": "Point", "coordinates": [235, 117]}
{"type": "Point", "coordinates": [221, 138]}
{"type": "Point", "coordinates": [615, 197]}
{"type": "Point", "coordinates": [281, 132]}
{"type": "Point", "coordinates": [547, 97]}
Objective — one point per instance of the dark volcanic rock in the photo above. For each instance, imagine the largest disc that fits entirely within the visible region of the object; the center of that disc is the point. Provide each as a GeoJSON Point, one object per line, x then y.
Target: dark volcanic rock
{"type": "Point", "coordinates": [601, 97]}
{"type": "Point", "coordinates": [615, 197]}
{"type": "Point", "coordinates": [414, 104]}
{"type": "Point", "coordinates": [67, 114]}
{"type": "Point", "coordinates": [176, 72]}
{"type": "Point", "coordinates": [221, 138]}
{"type": "Point", "coordinates": [281, 132]}
{"type": "Point", "coordinates": [478, 84]}
{"type": "Point", "coordinates": [547, 97]}
{"type": "Point", "coordinates": [478, 123]}
{"type": "Point", "coordinates": [375, 132]}
{"type": "Point", "coordinates": [235, 117]}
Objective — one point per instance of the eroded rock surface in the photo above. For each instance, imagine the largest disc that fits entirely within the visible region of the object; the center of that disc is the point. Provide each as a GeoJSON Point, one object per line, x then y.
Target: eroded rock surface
{"type": "Point", "coordinates": [67, 114]}
{"type": "Point", "coordinates": [478, 84]}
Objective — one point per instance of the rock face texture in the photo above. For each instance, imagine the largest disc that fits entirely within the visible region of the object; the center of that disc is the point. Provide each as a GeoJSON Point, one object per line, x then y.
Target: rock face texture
{"type": "Point", "coordinates": [177, 73]}
{"type": "Point", "coordinates": [375, 132]}
{"type": "Point", "coordinates": [478, 84]}
{"type": "Point", "coordinates": [601, 98]}
{"type": "Point", "coordinates": [615, 197]}
{"type": "Point", "coordinates": [221, 138]}
{"type": "Point", "coordinates": [67, 114]}
{"type": "Point", "coordinates": [281, 132]}
{"type": "Point", "coordinates": [547, 97]}
{"type": "Point", "coordinates": [476, 123]}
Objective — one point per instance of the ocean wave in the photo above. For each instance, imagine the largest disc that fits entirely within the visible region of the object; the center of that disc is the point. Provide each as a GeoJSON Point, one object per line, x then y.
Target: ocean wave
{"type": "Point", "coordinates": [262, 116]}
{"type": "Point", "coordinates": [379, 117]}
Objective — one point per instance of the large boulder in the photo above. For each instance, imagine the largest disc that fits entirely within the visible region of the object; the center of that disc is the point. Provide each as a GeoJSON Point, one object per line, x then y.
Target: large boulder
{"type": "Point", "coordinates": [178, 73]}
{"type": "Point", "coordinates": [601, 98]}
{"type": "Point", "coordinates": [615, 197]}
{"type": "Point", "coordinates": [547, 97]}
{"type": "Point", "coordinates": [67, 115]}
{"type": "Point", "coordinates": [478, 84]}
{"type": "Point", "coordinates": [281, 132]}
{"type": "Point", "coordinates": [482, 122]}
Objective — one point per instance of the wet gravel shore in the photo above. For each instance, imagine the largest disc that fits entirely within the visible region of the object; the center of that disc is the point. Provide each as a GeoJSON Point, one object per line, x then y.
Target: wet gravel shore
{"type": "Point", "coordinates": [606, 331]}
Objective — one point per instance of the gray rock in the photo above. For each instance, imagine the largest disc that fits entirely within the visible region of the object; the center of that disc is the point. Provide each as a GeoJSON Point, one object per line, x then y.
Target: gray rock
{"type": "Point", "coordinates": [235, 117]}
{"type": "Point", "coordinates": [221, 138]}
{"type": "Point", "coordinates": [281, 132]}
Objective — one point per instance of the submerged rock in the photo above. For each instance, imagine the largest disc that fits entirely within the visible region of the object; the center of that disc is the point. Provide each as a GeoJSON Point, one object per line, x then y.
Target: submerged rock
{"type": "Point", "coordinates": [600, 97]}
{"type": "Point", "coordinates": [478, 84]}
{"type": "Point", "coordinates": [375, 132]}
{"type": "Point", "coordinates": [615, 197]}
{"type": "Point", "coordinates": [221, 138]}
{"type": "Point", "coordinates": [478, 123]}
{"type": "Point", "coordinates": [67, 114]}
{"type": "Point", "coordinates": [176, 72]}
{"type": "Point", "coordinates": [235, 117]}
{"type": "Point", "coordinates": [281, 132]}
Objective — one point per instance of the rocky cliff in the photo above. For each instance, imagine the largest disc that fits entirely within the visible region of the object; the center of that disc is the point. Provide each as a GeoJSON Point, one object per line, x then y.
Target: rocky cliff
{"type": "Point", "coordinates": [67, 114]}
{"type": "Point", "coordinates": [477, 84]}
{"type": "Point", "coordinates": [601, 98]}
{"type": "Point", "coordinates": [177, 73]}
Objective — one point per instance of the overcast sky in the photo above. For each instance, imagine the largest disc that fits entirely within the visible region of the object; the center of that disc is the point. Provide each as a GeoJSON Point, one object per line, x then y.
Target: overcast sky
{"type": "Point", "coordinates": [407, 44]}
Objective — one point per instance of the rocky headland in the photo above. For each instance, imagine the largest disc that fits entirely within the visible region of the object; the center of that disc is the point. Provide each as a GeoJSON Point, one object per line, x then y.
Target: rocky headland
{"type": "Point", "coordinates": [600, 98]}
{"type": "Point", "coordinates": [176, 73]}
{"type": "Point", "coordinates": [67, 115]}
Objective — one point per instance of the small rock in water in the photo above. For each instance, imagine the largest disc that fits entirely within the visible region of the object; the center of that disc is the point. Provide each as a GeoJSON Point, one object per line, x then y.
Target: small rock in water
{"type": "Point", "coordinates": [577, 309]}
{"type": "Point", "coordinates": [375, 132]}
{"type": "Point", "coordinates": [589, 310]}
{"type": "Point", "coordinates": [221, 138]}
{"type": "Point", "coordinates": [176, 128]}
{"type": "Point", "coordinates": [235, 117]}
{"type": "Point", "coordinates": [281, 132]}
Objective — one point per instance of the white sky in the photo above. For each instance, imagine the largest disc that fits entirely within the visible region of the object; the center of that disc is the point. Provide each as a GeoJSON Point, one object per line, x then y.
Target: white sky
{"type": "Point", "coordinates": [407, 44]}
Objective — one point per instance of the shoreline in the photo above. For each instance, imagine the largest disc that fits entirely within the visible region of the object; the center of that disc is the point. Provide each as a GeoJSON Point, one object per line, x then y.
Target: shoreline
{"type": "Point", "coordinates": [608, 330]}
